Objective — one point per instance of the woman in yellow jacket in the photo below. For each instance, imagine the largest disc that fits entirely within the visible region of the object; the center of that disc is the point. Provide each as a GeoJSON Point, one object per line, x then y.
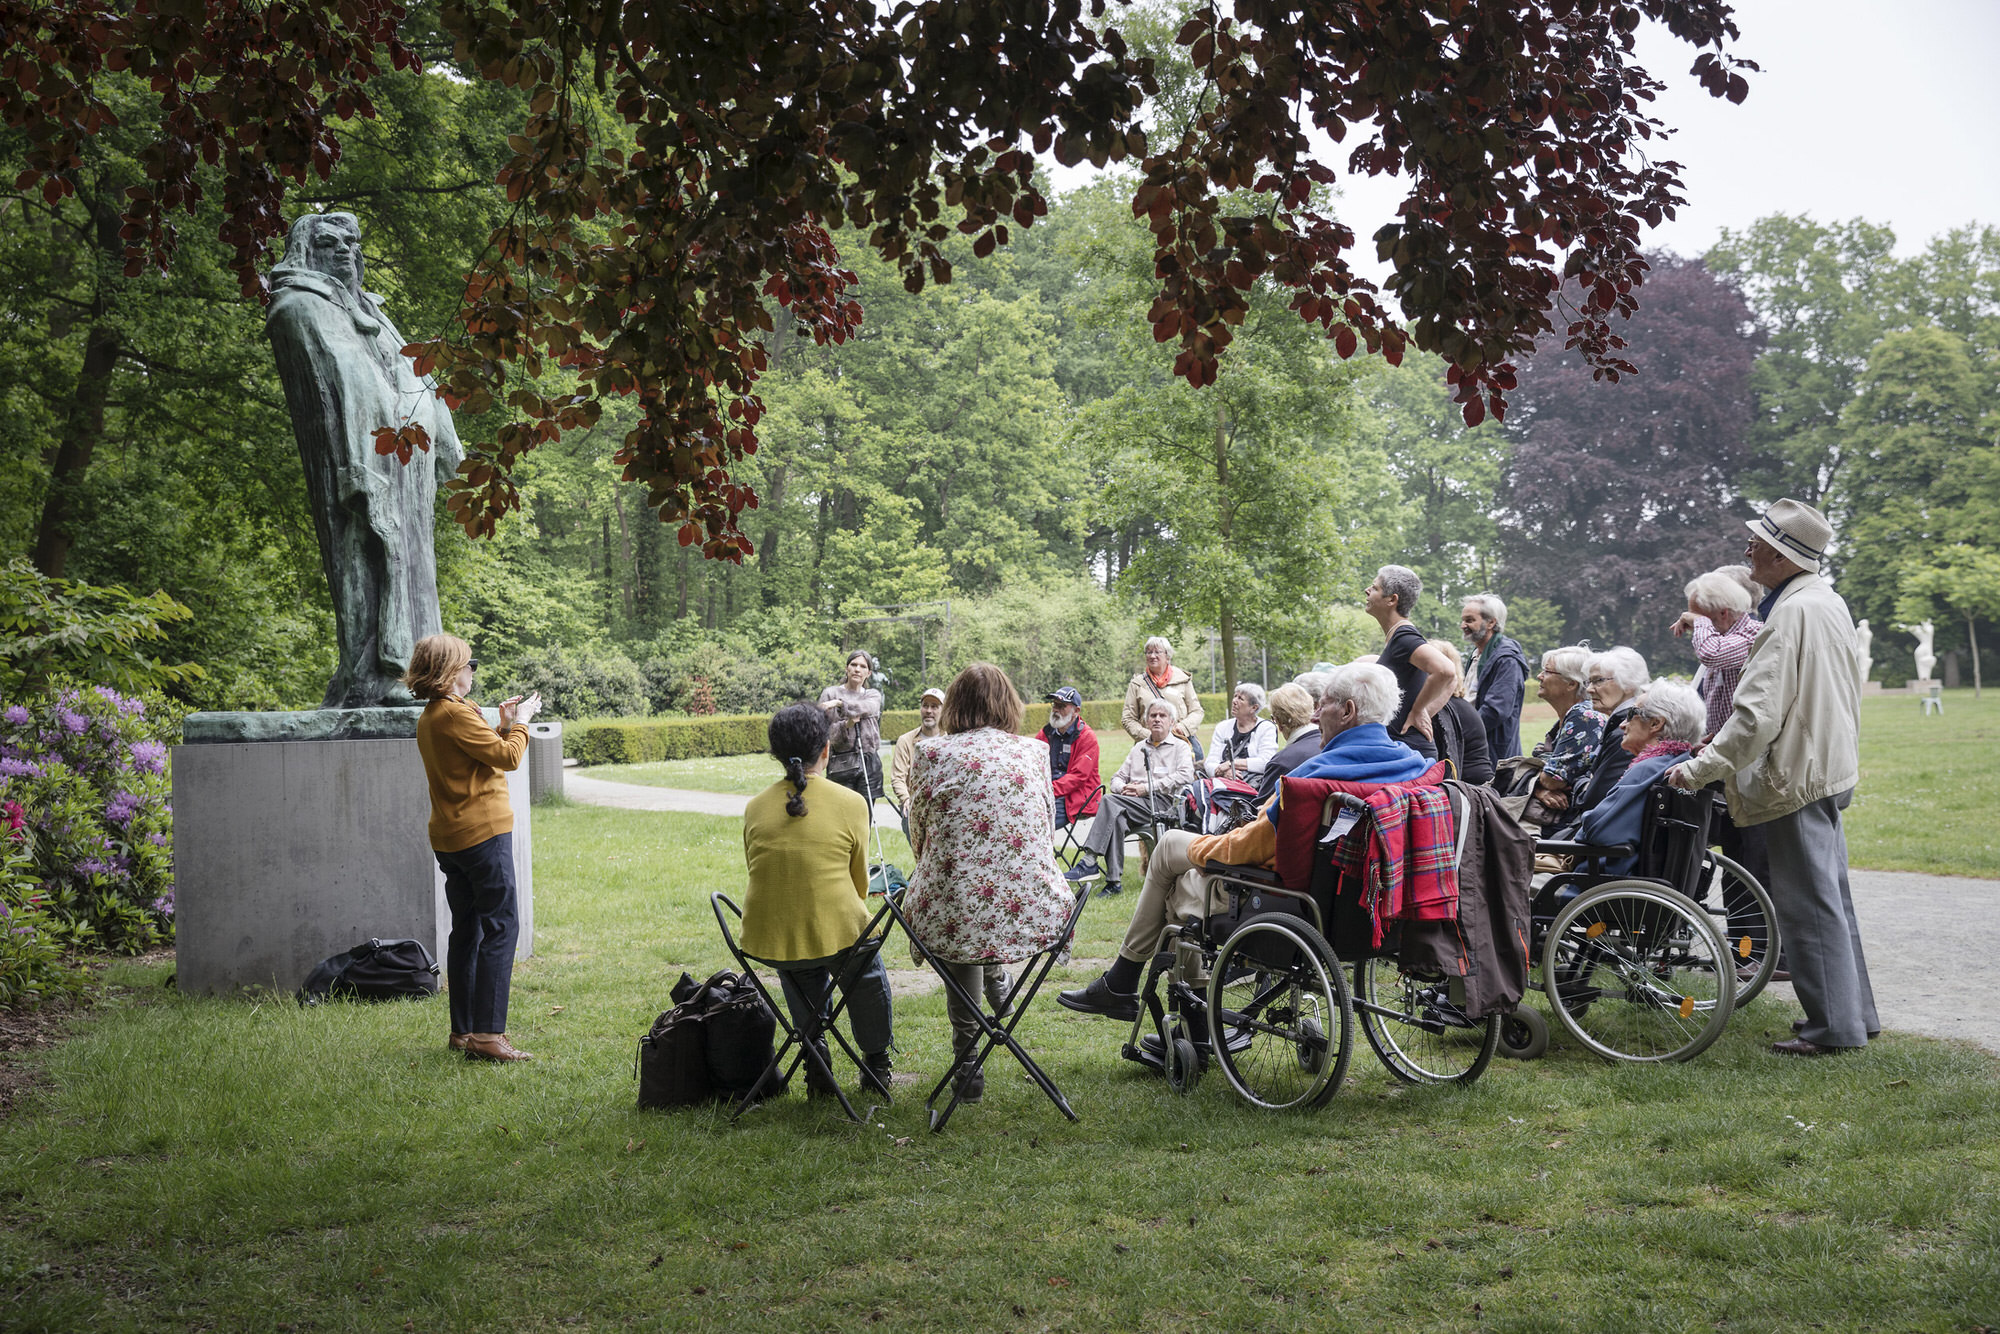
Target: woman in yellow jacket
{"type": "Point", "coordinates": [805, 840]}
{"type": "Point", "coordinates": [472, 836]}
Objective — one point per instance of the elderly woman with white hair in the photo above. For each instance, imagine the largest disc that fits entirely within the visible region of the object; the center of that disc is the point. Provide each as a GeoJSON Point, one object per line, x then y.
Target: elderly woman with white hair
{"type": "Point", "coordinates": [1295, 716]}
{"type": "Point", "coordinates": [1161, 680]}
{"type": "Point", "coordinates": [1241, 747]}
{"type": "Point", "coordinates": [1618, 676]}
{"type": "Point", "coordinates": [1720, 624]}
{"type": "Point", "coordinates": [1662, 726]}
{"type": "Point", "coordinates": [1572, 739]}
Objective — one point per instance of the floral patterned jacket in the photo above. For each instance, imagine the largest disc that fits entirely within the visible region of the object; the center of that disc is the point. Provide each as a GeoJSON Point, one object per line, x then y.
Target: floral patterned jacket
{"type": "Point", "coordinates": [986, 888]}
{"type": "Point", "coordinates": [1571, 742]}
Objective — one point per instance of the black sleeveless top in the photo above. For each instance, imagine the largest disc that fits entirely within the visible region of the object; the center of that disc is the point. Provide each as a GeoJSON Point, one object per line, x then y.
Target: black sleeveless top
{"type": "Point", "coordinates": [1410, 679]}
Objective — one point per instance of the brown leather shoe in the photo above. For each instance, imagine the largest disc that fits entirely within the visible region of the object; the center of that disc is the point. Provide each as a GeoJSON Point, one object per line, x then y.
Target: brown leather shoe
{"type": "Point", "coordinates": [493, 1047]}
{"type": "Point", "coordinates": [460, 1041]}
{"type": "Point", "coordinates": [1802, 1047]}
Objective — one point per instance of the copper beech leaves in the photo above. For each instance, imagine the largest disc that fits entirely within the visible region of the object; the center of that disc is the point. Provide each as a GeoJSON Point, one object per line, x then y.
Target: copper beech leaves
{"type": "Point", "coordinates": [659, 267]}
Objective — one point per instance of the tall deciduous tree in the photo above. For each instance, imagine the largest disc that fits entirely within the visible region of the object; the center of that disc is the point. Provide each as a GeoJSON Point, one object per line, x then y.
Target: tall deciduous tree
{"type": "Point", "coordinates": [644, 257]}
{"type": "Point", "coordinates": [1617, 494]}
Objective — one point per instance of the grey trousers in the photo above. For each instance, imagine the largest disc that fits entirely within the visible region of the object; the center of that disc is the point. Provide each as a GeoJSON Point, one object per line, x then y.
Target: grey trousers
{"type": "Point", "coordinates": [1117, 816]}
{"type": "Point", "coordinates": [1809, 889]}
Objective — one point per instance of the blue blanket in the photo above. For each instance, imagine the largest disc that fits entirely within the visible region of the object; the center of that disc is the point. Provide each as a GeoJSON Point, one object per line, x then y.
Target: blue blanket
{"type": "Point", "coordinates": [1363, 754]}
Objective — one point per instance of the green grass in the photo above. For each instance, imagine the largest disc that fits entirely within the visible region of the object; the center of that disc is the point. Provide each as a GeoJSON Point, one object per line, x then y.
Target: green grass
{"type": "Point", "coordinates": [227, 1164]}
{"type": "Point", "coordinates": [1930, 786]}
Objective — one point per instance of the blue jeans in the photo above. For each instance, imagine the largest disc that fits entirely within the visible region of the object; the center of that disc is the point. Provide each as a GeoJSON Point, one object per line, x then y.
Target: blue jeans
{"type": "Point", "coordinates": [808, 985]}
{"type": "Point", "coordinates": [479, 957]}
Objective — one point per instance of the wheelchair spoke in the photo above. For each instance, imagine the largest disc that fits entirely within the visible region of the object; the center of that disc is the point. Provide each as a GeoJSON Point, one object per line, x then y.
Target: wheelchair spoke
{"type": "Point", "coordinates": [1279, 1014]}
{"type": "Point", "coordinates": [1416, 1029]}
{"type": "Point", "coordinates": [1638, 973]}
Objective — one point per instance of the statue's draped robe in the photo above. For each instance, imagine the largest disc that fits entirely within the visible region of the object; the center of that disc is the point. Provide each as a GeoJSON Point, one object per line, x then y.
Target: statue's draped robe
{"type": "Point", "coordinates": [345, 375]}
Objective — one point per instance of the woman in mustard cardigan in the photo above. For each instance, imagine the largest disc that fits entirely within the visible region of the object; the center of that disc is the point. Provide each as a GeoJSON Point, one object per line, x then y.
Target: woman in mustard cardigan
{"type": "Point", "coordinates": [805, 839]}
{"type": "Point", "coordinates": [472, 836]}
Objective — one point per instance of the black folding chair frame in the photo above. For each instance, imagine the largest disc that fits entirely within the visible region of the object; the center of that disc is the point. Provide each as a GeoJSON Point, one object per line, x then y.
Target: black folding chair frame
{"type": "Point", "coordinates": [996, 1032]}
{"type": "Point", "coordinates": [844, 967]}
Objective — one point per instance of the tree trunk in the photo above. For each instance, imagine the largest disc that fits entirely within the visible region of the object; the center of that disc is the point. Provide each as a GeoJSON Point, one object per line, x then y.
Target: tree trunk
{"type": "Point", "coordinates": [768, 555]}
{"type": "Point", "coordinates": [1225, 608]}
{"type": "Point", "coordinates": [625, 543]}
{"type": "Point", "coordinates": [681, 574]}
{"type": "Point", "coordinates": [83, 427]}
{"type": "Point", "coordinates": [1972, 637]}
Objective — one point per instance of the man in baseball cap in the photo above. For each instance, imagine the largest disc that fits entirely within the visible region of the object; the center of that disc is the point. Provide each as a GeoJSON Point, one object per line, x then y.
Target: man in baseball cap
{"type": "Point", "coordinates": [930, 707]}
{"type": "Point", "coordinates": [1072, 756]}
{"type": "Point", "coordinates": [1789, 757]}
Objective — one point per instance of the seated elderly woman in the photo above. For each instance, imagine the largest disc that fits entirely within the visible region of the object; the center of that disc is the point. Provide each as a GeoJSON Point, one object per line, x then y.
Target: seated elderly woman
{"type": "Point", "coordinates": [805, 838]}
{"type": "Point", "coordinates": [1293, 715]}
{"type": "Point", "coordinates": [1354, 711]}
{"type": "Point", "coordinates": [1460, 731]}
{"type": "Point", "coordinates": [1662, 727]}
{"type": "Point", "coordinates": [1241, 746]}
{"type": "Point", "coordinates": [1572, 738]}
{"type": "Point", "coordinates": [986, 890]}
{"type": "Point", "coordinates": [1618, 676]}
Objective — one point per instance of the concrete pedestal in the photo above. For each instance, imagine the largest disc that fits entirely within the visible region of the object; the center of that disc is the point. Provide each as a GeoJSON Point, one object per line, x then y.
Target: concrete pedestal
{"type": "Point", "coordinates": [288, 851]}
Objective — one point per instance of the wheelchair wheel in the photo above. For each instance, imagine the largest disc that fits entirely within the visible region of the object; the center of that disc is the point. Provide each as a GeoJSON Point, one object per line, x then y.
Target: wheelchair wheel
{"type": "Point", "coordinates": [1741, 909]}
{"type": "Point", "coordinates": [1180, 1062]}
{"type": "Point", "coordinates": [1524, 1034]}
{"type": "Point", "coordinates": [1413, 1026]}
{"type": "Point", "coordinates": [1279, 1013]}
{"type": "Point", "coordinates": [1636, 972]}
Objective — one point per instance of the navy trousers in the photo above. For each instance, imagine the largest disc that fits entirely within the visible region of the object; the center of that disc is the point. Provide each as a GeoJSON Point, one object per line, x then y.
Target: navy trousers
{"type": "Point", "coordinates": [479, 957]}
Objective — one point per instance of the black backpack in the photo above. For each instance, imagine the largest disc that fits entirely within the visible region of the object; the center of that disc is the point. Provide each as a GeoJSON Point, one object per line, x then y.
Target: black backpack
{"type": "Point", "coordinates": [374, 970]}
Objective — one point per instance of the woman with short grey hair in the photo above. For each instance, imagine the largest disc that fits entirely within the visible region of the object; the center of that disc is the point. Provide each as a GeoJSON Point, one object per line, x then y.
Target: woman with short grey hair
{"type": "Point", "coordinates": [1161, 680]}
{"type": "Point", "coordinates": [1421, 673]}
{"type": "Point", "coordinates": [1662, 726]}
{"type": "Point", "coordinates": [1618, 676]}
{"type": "Point", "coordinates": [1241, 747]}
{"type": "Point", "coordinates": [1572, 739]}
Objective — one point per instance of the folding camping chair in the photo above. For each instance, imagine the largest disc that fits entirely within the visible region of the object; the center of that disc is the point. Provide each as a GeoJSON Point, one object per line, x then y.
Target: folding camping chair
{"type": "Point", "coordinates": [843, 967]}
{"type": "Point", "coordinates": [1068, 847]}
{"type": "Point", "coordinates": [993, 1031]}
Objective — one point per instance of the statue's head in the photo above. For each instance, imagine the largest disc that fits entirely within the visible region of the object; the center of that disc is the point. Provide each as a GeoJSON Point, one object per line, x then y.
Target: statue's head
{"type": "Point", "coordinates": [328, 243]}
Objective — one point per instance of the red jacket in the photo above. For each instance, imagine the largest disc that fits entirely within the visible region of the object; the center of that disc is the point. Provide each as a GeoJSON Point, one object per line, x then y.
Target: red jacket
{"type": "Point", "coordinates": [1078, 788]}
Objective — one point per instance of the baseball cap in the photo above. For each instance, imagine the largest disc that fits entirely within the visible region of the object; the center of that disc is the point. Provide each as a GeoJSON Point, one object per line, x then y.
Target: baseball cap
{"type": "Point", "coordinates": [1065, 695]}
{"type": "Point", "coordinates": [929, 693]}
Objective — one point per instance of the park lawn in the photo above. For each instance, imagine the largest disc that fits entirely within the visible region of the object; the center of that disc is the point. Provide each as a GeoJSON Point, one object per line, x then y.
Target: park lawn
{"type": "Point", "coordinates": [240, 1164]}
{"type": "Point", "coordinates": [1929, 797]}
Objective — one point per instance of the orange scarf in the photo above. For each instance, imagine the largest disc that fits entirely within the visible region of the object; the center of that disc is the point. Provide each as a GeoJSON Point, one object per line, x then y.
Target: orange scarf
{"type": "Point", "coordinates": [1160, 681]}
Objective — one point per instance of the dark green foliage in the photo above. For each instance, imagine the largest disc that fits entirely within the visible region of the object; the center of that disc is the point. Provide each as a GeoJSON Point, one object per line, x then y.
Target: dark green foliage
{"type": "Point", "coordinates": [56, 627]}
{"type": "Point", "coordinates": [643, 742]}
{"type": "Point", "coordinates": [585, 682]}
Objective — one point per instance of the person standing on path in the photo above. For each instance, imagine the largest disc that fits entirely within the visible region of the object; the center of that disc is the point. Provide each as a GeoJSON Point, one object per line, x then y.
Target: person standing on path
{"type": "Point", "coordinates": [929, 708]}
{"type": "Point", "coordinates": [854, 708]}
{"type": "Point", "coordinates": [1789, 755]}
{"type": "Point", "coordinates": [1497, 677]}
{"type": "Point", "coordinates": [466, 763]}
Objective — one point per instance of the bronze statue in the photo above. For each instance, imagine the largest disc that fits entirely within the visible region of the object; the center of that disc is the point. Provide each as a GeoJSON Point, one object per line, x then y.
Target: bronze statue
{"type": "Point", "coordinates": [345, 376]}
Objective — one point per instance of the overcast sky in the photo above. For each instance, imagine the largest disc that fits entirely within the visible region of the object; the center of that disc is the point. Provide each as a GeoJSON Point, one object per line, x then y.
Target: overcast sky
{"type": "Point", "coordinates": [1887, 110]}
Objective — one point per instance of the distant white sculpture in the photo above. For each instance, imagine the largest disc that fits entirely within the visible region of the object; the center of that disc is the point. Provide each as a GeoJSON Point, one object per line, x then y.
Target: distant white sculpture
{"type": "Point", "coordinates": [1926, 659]}
{"type": "Point", "coordinates": [1864, 639]}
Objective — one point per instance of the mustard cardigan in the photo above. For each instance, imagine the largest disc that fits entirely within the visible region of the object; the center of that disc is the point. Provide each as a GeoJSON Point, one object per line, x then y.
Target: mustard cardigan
{"type": "Point", "coordinates": [466, 762]}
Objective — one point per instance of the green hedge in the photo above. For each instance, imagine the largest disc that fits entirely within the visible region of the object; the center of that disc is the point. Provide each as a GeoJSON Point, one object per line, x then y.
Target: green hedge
{"type": "Point", "coordinates": [645, 740]}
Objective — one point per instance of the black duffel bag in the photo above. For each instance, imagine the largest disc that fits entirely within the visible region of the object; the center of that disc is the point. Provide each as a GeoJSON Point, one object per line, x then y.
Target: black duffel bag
{"type": "Point", "coordinates": [672, 1063]}
{"type": "Point", "coordinates": [373, 970]}
{"type": "Point", "coordinates": [715, 1043]}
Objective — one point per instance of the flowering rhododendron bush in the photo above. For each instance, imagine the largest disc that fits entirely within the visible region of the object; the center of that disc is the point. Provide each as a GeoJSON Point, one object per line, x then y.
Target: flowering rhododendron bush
{"type": "Point", "coordinates": [83, 783]}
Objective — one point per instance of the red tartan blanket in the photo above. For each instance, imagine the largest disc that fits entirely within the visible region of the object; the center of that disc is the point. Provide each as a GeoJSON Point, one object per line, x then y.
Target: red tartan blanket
{"type": "Point", "coordinates": [1405, 863]}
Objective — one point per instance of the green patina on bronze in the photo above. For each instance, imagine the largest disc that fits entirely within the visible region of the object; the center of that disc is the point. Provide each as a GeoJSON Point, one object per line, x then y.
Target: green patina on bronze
{"type": "Point", "coordinates": [345, 377]}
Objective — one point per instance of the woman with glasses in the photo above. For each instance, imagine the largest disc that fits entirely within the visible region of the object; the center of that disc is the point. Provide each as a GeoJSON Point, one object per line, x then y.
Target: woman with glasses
{"type": "Point", "coordinates": [1616, 679]}
{"type": "Point", "coordinates": [1663, 725]}
{"type": "Point", "coordinates": [466, 762]}
{"type": "Point", "coordinates": [1572, 739]}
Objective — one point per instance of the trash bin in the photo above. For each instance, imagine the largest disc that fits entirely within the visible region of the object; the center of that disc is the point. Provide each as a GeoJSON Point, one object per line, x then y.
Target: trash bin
{"type": "Point", "coordinates": [545, 761]}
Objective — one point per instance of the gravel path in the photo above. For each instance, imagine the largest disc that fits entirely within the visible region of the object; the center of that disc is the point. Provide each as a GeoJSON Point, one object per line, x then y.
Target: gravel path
{"type": "Point", "coordinates": [1933, 941]}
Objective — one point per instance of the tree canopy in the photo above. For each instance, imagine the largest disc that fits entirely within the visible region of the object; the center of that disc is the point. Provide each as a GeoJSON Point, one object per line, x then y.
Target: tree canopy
{"type": "Point", "coordinates": [680, 172]}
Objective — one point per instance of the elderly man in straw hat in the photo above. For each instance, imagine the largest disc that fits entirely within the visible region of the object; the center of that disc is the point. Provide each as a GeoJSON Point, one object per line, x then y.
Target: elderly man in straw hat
{"type": "Point", "coordinates": [1789, 757]}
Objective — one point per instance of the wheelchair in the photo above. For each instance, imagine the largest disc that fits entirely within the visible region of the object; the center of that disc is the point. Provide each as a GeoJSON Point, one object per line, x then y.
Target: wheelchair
{"type": "Point", "coordinates": [1635, 967]}
{"type": "Point", "coordinates": [1257, 989]}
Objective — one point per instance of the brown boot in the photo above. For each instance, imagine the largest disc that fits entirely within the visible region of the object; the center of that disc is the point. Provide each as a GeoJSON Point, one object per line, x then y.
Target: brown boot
{"type": "Point", "coordinates": [493, 1047]}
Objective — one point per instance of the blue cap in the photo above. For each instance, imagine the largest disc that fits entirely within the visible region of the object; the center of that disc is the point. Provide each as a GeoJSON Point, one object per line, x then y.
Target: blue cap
{"type": "Point", "coordinates": [1065, 695]}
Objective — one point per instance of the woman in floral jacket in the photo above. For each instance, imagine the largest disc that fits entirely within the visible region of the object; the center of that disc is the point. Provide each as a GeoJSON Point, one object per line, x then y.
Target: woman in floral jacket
{"type": "Point", "coordinates": [986, 889]}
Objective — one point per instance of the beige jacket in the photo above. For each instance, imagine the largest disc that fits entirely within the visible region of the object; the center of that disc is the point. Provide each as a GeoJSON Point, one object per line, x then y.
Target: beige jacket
{"type": "Point", "coordinates": [900, 760]}
{"type": "Point", "coordinates": [1180, 693]}
{"type": "Point", "coordinates": [1793, 735]}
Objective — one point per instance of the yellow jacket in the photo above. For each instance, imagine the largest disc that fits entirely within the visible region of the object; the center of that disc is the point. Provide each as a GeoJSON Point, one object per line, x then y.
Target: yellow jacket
{"type": "Point", "coordinates": [808, 890]}
{"type": "Point", "coordinates": [466, 761]}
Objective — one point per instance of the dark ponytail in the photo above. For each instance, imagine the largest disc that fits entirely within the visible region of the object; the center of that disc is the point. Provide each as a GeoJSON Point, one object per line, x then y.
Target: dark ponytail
{"type": "Point", "coordinates": [798, 736]}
